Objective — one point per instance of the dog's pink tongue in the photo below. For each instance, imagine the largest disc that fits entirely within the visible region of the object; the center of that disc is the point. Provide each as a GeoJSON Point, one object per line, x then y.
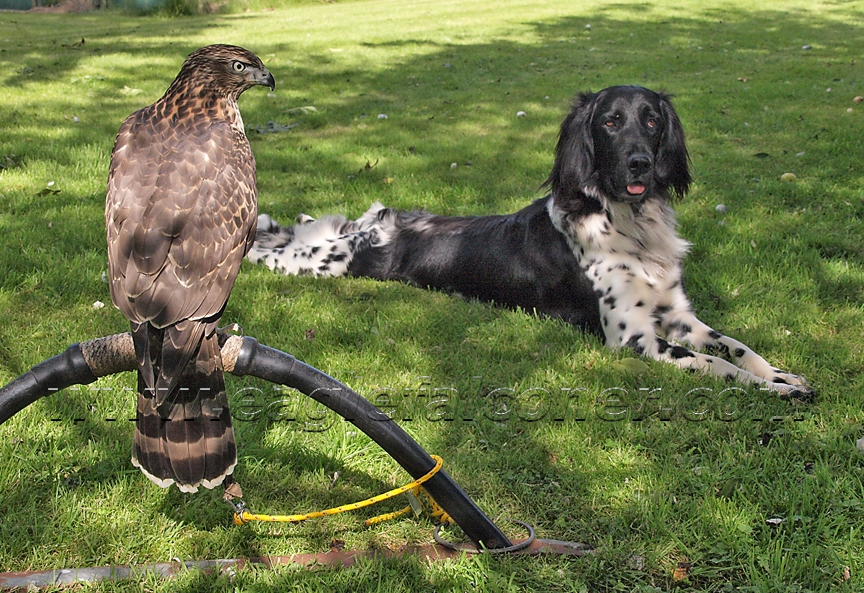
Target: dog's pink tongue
{"type": "Point", "coordinates": [636, 188]}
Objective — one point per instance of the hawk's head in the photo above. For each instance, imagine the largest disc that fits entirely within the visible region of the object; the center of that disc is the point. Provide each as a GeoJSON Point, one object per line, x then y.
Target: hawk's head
{"type": "Point", "coordinates": [229, 68]}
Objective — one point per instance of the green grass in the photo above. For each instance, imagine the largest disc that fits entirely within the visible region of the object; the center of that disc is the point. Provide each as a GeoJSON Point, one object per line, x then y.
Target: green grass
{"type": "Point", "coordinates": [782, 270]}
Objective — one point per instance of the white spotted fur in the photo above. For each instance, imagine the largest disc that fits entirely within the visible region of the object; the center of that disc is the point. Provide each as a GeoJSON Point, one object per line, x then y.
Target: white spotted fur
{"type": "Point", "coordinates": [634, 264]}
{"type": "Point", "coordinates": [322, 247]}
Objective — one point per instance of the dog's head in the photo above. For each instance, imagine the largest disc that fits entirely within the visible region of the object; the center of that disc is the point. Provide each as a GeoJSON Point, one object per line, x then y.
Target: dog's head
{"type": "Point", "coordinates": [624, 143]}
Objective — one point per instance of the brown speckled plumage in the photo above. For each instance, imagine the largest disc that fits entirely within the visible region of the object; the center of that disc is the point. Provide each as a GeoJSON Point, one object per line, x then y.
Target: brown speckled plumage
{"type": "Point", "coordinates": [180, 215]}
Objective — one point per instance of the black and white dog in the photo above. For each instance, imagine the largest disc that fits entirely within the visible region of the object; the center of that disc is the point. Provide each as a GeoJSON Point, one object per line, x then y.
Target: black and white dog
{"type": "Point", "coordinates": [600, 252]}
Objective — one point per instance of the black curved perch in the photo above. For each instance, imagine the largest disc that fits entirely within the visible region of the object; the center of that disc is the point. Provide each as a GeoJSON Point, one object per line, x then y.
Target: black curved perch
{"type": "Point", "coordinates": [83, 363]}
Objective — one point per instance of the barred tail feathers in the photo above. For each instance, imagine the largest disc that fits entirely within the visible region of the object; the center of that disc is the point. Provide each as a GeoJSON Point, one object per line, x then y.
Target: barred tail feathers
{"type": "Point", "coordinates": [187, 439]}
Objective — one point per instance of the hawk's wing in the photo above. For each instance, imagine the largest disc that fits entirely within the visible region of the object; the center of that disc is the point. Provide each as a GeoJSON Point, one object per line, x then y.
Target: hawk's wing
{"type": "Point", "coordinates": [180, 214]}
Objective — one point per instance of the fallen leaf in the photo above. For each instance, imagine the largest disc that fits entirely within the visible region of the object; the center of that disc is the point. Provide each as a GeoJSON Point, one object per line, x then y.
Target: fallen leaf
{"type": "Point", "coordinates": [306, 110]}
{"type": "Point", "coordinates": [682, 571]}
{"type": "Point", "coordinates": [634, 366]}
{"type": "Point", "coordinates": [728, 488]}
{"type": "Point", "coordinates": [9, 160]}
{"type": "Point", "coordinates": [368, 166]}
{"type": "Point", "coordinates": [232, 491]}
{"type": "Point", "coordinates": [273, 127]}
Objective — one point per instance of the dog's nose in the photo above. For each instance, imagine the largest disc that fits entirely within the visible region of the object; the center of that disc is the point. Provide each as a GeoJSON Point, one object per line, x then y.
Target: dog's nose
{"type": "Point", "coordinates": [639, 163]}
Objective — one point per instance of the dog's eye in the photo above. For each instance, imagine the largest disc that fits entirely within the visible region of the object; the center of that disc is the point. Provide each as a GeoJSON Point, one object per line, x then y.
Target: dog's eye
{"type": "Point", "coordinates": [238, 66]}
{"type": "Point", "coordinates": [652, 123]}
{"type": "Point", "coordinates": [610, 123]}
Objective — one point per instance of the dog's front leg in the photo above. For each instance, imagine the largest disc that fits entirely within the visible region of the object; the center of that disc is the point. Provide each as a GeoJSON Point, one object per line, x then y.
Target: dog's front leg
{"type": "Point", "coordinates": [632, 309]}
{"type": "Point", "coordinates": [678, 323]}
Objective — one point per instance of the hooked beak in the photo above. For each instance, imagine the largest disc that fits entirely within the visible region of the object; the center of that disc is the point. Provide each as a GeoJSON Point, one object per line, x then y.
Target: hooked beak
{"type": "Point", "coordinates": [263, 77]}
{"type": "Point", "coordinates": [268, 81]}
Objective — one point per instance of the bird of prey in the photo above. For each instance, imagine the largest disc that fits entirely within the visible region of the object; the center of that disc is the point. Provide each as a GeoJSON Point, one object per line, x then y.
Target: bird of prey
{"type": "Point", "coordinates": [180, 214]}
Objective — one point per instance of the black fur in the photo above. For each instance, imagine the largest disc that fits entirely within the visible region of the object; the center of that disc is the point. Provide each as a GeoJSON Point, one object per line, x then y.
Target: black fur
{"type": "Point", "coordinates": [518, 260]}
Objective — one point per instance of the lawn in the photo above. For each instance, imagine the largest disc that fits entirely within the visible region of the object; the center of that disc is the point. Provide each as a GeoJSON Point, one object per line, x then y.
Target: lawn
{"type": "Point", "coordinates": [536, 421]}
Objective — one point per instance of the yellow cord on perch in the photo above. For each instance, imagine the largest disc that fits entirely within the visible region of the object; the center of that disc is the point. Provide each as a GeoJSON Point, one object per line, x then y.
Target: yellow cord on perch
{"type": "Point", "coordinates": [242, 515]}
{"type": "Point", "coordinates": [436, 512]}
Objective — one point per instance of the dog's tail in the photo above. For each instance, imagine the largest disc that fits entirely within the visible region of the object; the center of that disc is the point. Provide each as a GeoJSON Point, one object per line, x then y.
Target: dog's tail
{"type": "Point", "coordinates": [323, 247]}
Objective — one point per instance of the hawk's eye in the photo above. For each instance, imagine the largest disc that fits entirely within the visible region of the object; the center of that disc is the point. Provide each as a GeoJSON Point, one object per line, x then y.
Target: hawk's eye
{"type": "Point", "coordinates": [238, 66]}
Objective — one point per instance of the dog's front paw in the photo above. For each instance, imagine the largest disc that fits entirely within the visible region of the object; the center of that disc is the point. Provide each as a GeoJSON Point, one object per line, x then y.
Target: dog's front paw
{"type": "Point", "coordinates": [800, 391]}
{"type": "Point", "coordinates": [788, 378]}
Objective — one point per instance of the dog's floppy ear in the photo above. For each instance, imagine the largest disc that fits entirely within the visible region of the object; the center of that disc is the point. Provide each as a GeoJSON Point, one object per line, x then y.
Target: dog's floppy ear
{"type": "Point", "coordinates": [574, 154]}
{"type": "Point", "coordinates": [672, 168]}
